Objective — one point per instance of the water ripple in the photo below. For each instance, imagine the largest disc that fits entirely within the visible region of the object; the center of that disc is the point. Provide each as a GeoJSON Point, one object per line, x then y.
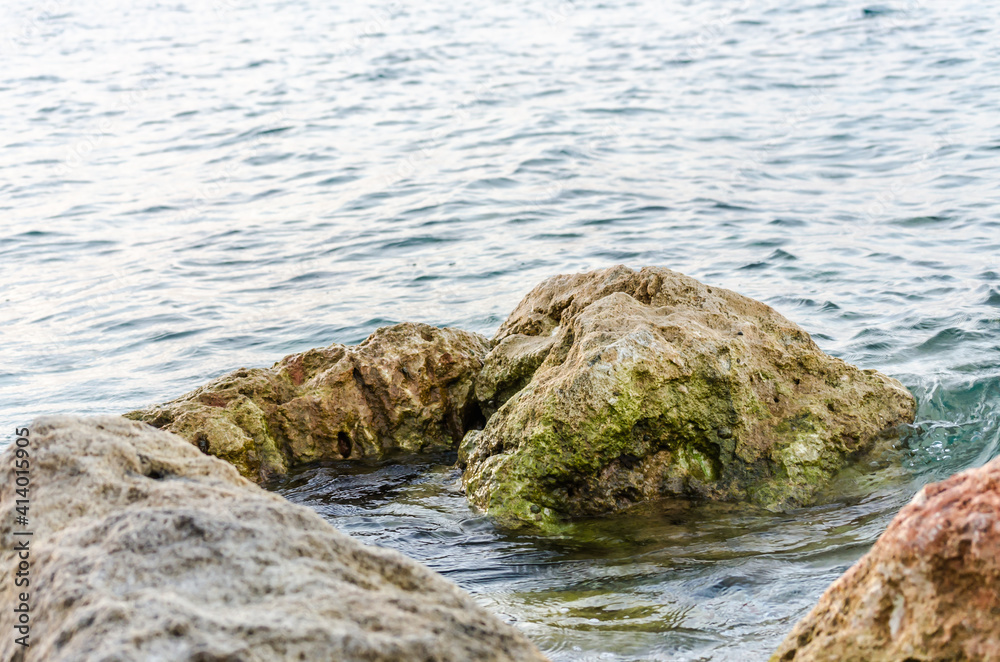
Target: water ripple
{"type": "Point", "coordinates": [185, 191]}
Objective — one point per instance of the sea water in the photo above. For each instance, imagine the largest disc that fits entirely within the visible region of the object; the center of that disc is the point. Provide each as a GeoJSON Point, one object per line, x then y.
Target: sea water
{"type": "Point", "coordinates": [188, 188]}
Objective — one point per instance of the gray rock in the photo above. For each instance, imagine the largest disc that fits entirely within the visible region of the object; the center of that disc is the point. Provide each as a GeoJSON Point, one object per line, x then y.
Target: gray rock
{"type": "Point", "coordinates": [146, 549]}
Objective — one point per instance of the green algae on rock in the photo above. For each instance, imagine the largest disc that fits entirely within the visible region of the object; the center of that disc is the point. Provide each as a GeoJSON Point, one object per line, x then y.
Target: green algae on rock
{"type": "Point", "coordinates": [407, 388]}
{"type": "Point", "coordinates": [615, 387]}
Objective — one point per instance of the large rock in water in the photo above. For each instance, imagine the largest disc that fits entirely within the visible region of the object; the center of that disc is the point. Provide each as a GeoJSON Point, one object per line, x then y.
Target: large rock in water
{"type": "Point", "coordinates": [146, 549]}
{"type": "Point", "coordinates": [928, 590]}
{"type": "Point", "coordinates": [407, 388]}
{"type": "Point", "coordinates": [615, 387]}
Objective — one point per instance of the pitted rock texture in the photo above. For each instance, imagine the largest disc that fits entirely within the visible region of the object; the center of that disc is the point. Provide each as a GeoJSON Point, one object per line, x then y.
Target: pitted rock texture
{"type": "Point", "coordinates": [929, 589]}
{"type": "Point", "coordinates": [615, 387]}
{"type": "Point", "coordinates": [146, 549]}
{"type": "Point", "coordinates": [406, 389]}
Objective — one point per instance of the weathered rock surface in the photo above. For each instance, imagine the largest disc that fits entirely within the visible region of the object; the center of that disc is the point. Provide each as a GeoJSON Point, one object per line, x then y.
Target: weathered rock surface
{"type": "Point", "coordinates": [929, 589]}
{"type": "Point", "coordinates": [146, 549]}
{"type": "Point", "coordinates": [615, 387]}
{"type": "Point", "coordinates": [407, 388]}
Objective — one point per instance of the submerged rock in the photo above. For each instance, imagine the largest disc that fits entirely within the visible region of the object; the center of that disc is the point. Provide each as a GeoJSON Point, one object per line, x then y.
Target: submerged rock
{"type": "Point", "coordinates": [407, 388]}
{"type": "Point", "coordinates": [615, 387]}
{"type": "Point", "coordinates": [146, 549]}
{"type": "Point", "coordinates": [929, 589]}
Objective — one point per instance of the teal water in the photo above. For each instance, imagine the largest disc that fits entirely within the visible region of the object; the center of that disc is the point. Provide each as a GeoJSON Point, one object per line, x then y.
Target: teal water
{"type": "Point", "coordinates": [187, 189]}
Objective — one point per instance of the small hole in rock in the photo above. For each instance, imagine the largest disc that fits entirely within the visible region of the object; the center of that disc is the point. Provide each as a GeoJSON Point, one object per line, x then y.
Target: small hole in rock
{"type": "Point", "coordinates": [344, 444]}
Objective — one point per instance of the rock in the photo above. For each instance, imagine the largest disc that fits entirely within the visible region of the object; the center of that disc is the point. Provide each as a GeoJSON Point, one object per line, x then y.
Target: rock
{"type": "Point", "coordinates": [929, 589]}
{"type": "Point", "coordinates": [407, 388]}
{"type": "Point", "coordinates": [146, 549]}
{"type": "Point", "coordinates": [615, 387]}
{"type": "Point", "coordinates": [509, 368]}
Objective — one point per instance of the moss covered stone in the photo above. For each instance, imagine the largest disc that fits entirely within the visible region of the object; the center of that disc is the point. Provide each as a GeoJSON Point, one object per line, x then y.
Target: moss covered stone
{"type": "Point", "coordinates": [615, 387]}
{"type": "Point", "coordinates": [407, 388]}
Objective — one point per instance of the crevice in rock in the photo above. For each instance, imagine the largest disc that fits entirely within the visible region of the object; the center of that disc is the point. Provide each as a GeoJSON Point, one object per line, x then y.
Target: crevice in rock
{"type": "Point", "coordinates": [344, 444]}
{"type": "Point", "coordinates": [374, 404]}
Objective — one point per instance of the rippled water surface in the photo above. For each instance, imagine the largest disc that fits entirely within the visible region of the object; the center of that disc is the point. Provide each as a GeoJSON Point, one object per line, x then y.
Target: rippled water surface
{"type": "Point", "coordinates": [190, 188]}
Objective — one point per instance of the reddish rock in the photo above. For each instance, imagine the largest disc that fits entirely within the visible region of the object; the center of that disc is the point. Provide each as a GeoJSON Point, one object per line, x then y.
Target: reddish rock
{"type": "Point", "coordinates": [929, 589]}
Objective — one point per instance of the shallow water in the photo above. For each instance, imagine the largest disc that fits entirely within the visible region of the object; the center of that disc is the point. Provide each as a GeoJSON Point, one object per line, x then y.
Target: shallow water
{"type": "Point", "coordinates": [189, 189]}
{"type": "Point", "coordinates": [672, 580]}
